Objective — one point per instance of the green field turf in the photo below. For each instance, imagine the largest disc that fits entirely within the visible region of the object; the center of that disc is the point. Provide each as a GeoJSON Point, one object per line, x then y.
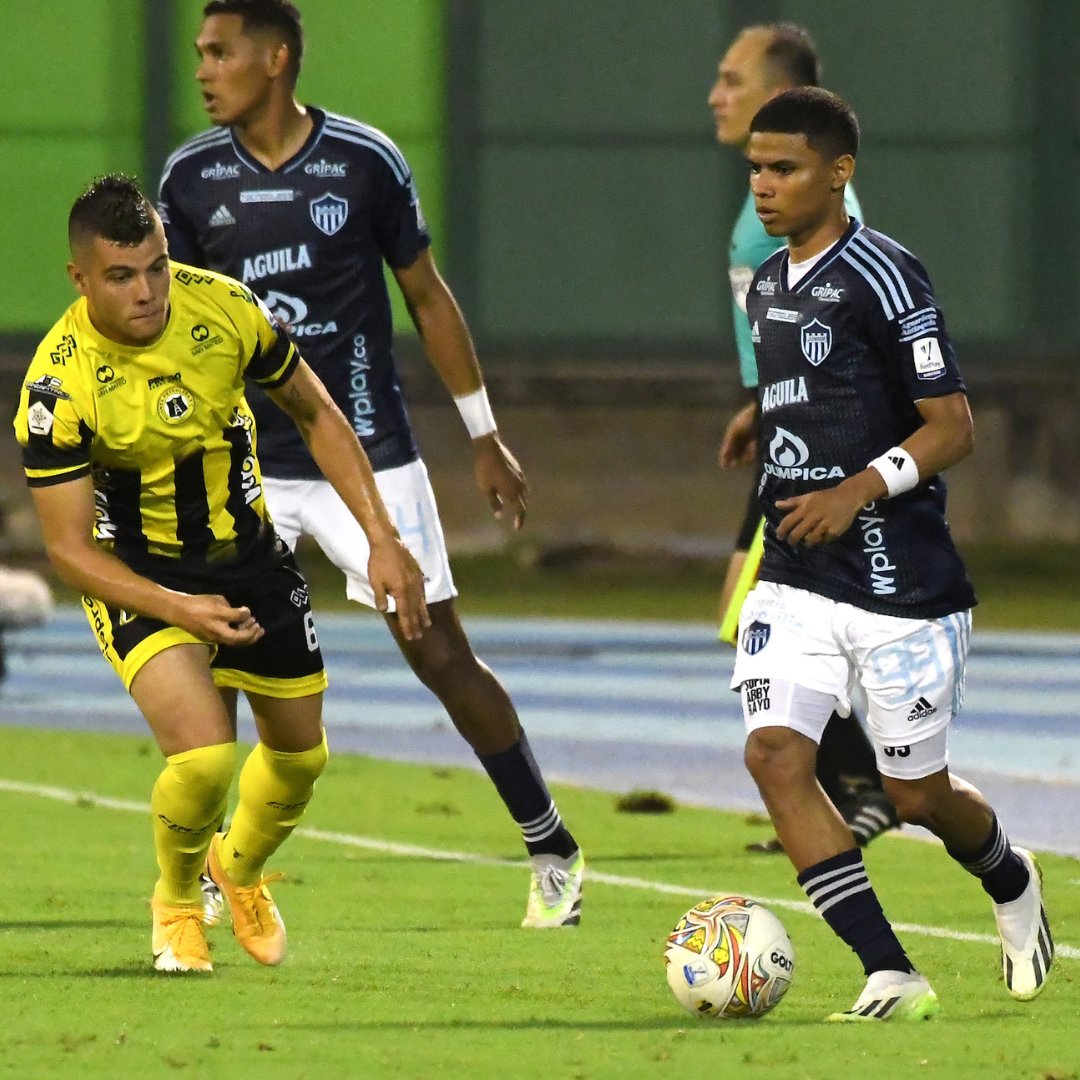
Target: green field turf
{"type": "Point", "coordinates": [405, 965]}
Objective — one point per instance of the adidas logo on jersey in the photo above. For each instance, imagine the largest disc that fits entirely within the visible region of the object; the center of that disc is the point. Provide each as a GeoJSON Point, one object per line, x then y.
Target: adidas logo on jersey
{"type": "Point", "coordinates": [921, 710]}
{"type": "Point", "coordinates": [221, 216]}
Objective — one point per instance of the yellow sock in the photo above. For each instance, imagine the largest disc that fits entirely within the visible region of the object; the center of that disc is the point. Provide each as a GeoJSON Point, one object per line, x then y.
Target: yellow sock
{"type": "Point", "coordinates": [187, 806]}
{"type": "Point", "coordinates": [274, 790]}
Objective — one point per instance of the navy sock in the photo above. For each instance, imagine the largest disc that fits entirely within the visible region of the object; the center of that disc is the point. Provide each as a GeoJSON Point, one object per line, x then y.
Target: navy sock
{"type": "Point", "coordinates": [842, 893]}
{"type": "Point", "coordinates": [1004, 875]}
{"type": "Point", "coordinates": [521, 786]}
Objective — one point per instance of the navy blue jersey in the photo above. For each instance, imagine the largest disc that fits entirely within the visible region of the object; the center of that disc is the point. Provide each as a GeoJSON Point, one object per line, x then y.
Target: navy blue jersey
{"type": "Point", "coordinates": [842, 358]}
{"type": "Point", "coordinates": [310, 238]}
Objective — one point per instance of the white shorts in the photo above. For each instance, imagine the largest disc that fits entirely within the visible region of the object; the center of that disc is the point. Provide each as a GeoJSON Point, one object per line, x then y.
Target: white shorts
{"type": "Point", "coordinates": [912, 672]}
{"type": "Point", "coordinates": [313, 508]}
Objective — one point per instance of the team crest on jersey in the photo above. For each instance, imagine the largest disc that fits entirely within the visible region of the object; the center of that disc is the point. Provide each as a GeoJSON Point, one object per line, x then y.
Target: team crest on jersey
{"type": "Point", "coordinates": [756, 637]}
{"type": "Point", "coordinates": [816, 340]}
{"type": "Point", "coordinates": [175, 405]}
{"type": "Point", "coordinates": [329, 213]}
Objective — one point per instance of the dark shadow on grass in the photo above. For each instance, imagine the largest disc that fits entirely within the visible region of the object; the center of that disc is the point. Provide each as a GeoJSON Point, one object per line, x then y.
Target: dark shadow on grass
{"type": "Point", "coordinates": [675, 856]}
{"type": "Point", "coordinates": [396, 928]}
{"type": "Point", "coordinates": [389, 858]}
{"type": "Point", "coordinates": [134, 971]}
{"type": "Point", "coordinates": [649, 1023]}
{"type": "Point", "coordinates": [68, 924]}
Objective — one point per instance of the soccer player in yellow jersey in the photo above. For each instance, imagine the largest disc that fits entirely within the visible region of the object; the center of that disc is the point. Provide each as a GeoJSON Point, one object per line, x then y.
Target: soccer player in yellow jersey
{"type": "Point", "coordinates": [140, 453]}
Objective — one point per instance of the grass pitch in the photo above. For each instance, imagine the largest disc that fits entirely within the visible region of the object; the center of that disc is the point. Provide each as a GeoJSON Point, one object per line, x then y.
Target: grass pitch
{"type": "Point", "coordinates": [404, 964]}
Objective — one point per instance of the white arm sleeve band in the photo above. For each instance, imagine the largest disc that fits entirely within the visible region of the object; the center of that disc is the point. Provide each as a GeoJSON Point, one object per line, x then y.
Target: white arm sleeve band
{"type": "Point", "coordinates": [898, 470]}
{"type": "Point", "coordinates": [476, 411]}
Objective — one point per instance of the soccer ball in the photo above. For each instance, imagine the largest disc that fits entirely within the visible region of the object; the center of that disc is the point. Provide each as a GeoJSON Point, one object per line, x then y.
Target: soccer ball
{"type": "Point", "coordinates": [729, 957]}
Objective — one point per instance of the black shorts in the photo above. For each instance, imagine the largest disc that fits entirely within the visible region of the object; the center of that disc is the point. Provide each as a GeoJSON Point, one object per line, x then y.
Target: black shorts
{"type": "Point", "coordinates": [286, 662]}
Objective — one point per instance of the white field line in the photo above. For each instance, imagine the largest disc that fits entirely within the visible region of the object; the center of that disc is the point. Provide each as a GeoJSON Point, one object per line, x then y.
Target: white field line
{"type": "Point", "coordinates": [414, 851]}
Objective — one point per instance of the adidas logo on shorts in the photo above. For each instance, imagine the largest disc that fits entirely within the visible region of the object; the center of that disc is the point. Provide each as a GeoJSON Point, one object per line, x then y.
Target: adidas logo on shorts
{"type": "Point", "coordinates": [921, 710]}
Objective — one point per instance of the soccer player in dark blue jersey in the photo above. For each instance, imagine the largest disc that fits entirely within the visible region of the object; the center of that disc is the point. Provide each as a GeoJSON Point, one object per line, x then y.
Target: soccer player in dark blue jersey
{"type": "Point", "coordinates": [762, 62]}
{"type": "Point", "coordinates": [306, 207]}
{"type": "Point", "coordinates": [861, 408]}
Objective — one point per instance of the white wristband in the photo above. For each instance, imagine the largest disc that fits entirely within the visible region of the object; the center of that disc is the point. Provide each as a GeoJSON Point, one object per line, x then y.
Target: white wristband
{"type": "Point", "coordinates": [476, 411]}
{"type": "Point", "coordinates": [898, 470]}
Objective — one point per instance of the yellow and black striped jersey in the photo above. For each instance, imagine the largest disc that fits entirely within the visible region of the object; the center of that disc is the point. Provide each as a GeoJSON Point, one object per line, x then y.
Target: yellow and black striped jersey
{"type": "Point", "coordinates": [163, 429]}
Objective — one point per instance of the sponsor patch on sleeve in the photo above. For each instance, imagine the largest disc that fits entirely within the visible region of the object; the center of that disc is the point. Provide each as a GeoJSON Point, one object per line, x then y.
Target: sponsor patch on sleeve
{"type": "Point", "coordinates": [929, 363]}
{"type": "Point", "coordinates": [39, 418]}
{"type": "Point", "coordinates": [919, 324]}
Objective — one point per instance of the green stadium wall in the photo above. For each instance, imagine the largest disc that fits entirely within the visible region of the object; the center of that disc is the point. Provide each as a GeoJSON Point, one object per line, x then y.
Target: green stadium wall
{"type": "Point", "coordinates": [565, 155]}
{"type": "Point", "coordinates": [594, 118]}
{"type": "Point", "coordinates": [81, 113]}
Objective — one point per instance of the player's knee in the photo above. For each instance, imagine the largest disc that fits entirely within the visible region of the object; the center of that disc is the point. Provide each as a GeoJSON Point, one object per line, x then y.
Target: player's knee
{"type": "Point", "coordinates": [915, 801]}
{"type": "Point", "coordinates": [298, 768]}
{"type": "Point", "coordinates": [440, 662]}
{"type": "Point", "coordinates": [206, 773]}
{"type": "Point", "coordinates": [312, 762]}
{"type": "Point", "coordinates": [773, 758]}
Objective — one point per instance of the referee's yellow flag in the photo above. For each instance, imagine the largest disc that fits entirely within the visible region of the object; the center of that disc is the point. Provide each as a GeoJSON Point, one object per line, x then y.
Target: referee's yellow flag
{"type": "Point", "coordinates": [729, 625]}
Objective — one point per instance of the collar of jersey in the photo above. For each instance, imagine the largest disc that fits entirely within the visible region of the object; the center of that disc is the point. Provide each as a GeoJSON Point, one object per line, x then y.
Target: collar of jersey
{"type": "Point", "coordinates": [834, 254]}
{"type": "Point", "coordinates": [319, 123]}
{"type": "Point", "coordinates": [118, 348]}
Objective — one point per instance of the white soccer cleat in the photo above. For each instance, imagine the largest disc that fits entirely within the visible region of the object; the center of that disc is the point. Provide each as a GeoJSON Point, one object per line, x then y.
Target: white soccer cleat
{"type": "Point", "coordinates": [213, 901]}
{"type": "Point", "coordinates": [892, 995]}
{"type": "Point", "coordinates": [555, 891]}
{"type": "Point", "coordinates": [1027, 949]}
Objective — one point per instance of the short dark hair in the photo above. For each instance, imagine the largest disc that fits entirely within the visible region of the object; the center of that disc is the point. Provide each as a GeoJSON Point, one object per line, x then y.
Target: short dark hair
{"type": "Point", "coordinates": [826, 119]}
{"type": "Point", "coordinates": [267, 15]}
{"type": "Point", "coordinates": [793, 56]}
{"type": "Point", "coordinates": [113, 208]}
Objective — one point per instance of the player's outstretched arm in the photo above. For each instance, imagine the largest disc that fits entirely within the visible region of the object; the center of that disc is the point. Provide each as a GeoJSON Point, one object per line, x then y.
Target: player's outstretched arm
{"type": "Point", "coordinates": [66, 512]}
{"type": "Point", "coordinates": [342, 460]}
{"type": "Point", "coordinates": [946, 436]}
{"type": "Point", "coordinates": [449, 347]}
